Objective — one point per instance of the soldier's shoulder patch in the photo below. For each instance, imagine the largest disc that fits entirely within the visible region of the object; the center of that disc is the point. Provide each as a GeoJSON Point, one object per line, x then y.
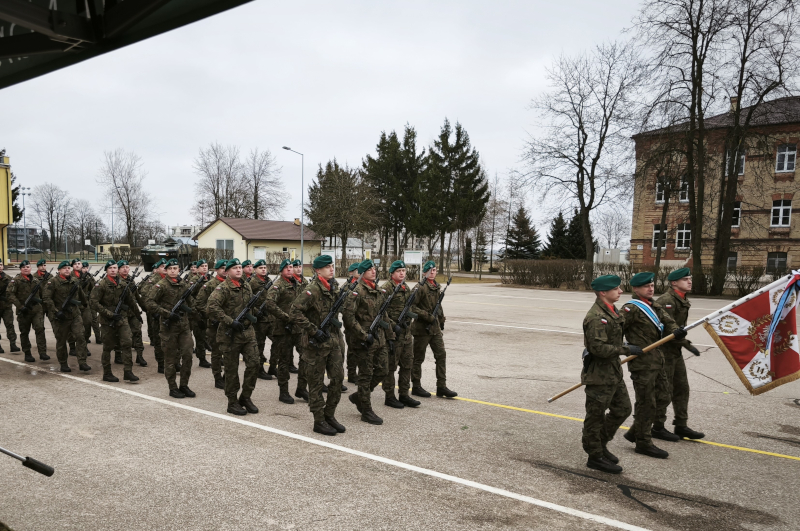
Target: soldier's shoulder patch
{"type": "Point", "coordinates": [219, 288]}
{"type": "Point", "coordinates": [308, 292]}
{"type": "Point", "coordinates": [667, 306]}
{"type": "Point", "coordinates": [274, 287]}
{"type": "Point", "coordinates": [96, 284]}
{"type": "Point", "coordinates": [159, 287]}
{"type": "Point", "coordinates": [627, 308]}
{"type": "Point", "coordinates": [383, 290]}
{"type": "Point", "coordinates": [12, 281]}
{"type": "Point", "coordinates": [355, 294]}
{"type": "Point", "coordinates": [603, 321]}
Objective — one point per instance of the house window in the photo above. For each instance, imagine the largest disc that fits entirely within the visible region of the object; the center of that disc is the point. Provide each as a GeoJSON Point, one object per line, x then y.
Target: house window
{"type": "Point", "coordinates": [786, 157]}
{"type": "Point", "coordinates": [776, 262]}
{"type": "Point", "coordinates": [683, 236]}
{"type": "Point", "coordinates": [659, 193]}
{"type": "Point", "coordinates": [739, 163]}
{"type": "Point", "coordinates": [285, 249]}
{"type": "Point", "coordinates": [683, 194]}
{"type": "Point", "coordinates": [737, 214]}
{"type": "Point", "coordinates": [224, 249]}
{"type": "Point", "coordinates": [781, 213]}
{"type": "Point", "coordinates": [733, 259]}
{"type": "Point", "coordinates": [659, 236]}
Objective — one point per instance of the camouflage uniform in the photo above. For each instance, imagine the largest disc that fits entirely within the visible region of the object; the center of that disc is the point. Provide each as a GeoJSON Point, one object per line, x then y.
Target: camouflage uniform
{"type": "Point", "coordinates": [6, 311]}
{"type": "Point", "coordinates": [352, 366]}
{"type": "Point", "coordinates": [674, 385]}
{"type": "Point", "coordinates": [153, 316]}
{"type": "Point", "coordinates": [225, 303]}
{"type": "Point", "coordinates": [426, 331]}
{"type": "Point", "coordinates": [175, 336]}
{"type": "Point", "coordinates": [401, 353]}
{"type": "Point", "coordinates": [198, 324]}
{"type": "Point", "coordinates": [134, 316]}
{"type": "Point", "coordinates": [602, 375]}
{"type": "Point", "coordinates": [54, 294]}
{"type": "Point", "coordinates": [307, 311]}
{"type": "Point", "coordinates": [32, 316]}
{"type": "Point", "coordinates": [302, 381]}
{"type": "Point", "coordinates": [117, 333]}
{"type": "Point", "coordinates": [212, 324]}
{"type": "Point", "coordinates": [256, 284]}
{"type": "Point", "coordinates": [279, 302]}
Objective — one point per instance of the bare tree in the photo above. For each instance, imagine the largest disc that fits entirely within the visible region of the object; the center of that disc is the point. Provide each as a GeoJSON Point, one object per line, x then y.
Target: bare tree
{"type": "Point", "coordinates": [219, 186]}
{"type": "Point", "coordinates": [53, 208]}
{"type": "Point", "coordinates": [261, 176]}
{"type": "Point", "coordinates": [613, 227]}
{"type": "Point", "coordinates": [584, 155]}
{"type": "Point", "coordinates": [122, 175]}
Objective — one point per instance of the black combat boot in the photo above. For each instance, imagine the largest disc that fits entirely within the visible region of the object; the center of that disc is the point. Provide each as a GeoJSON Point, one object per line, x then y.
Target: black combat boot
{"type": "Point", "coordinates": [370, 417]}
{"type": "Point", "coordinates": [444, 392]}
{"type": "Point", "coordinates": [352, 378]}
{"type": "Point", "coordinates": [176, 393]}
{"type": "Point", "coordinates": [344, 388]}
{"type": "Point", "coordinates": [87, 352]}
{"type": "Point", "coordinates": [324, 387]}
{"type": "Point", "coordinates": [14, 347]}
{"type": "Point", "coordinates": [140, 359]}
{"type": "Point", "coordinates": [301, 393]}
{"type": "Point", "coordinates": [610, 457]}
{"type": "Point", "coordinates": [109, 377]}
{"type": "Point", "coordinates": [236, 409]}
{"type": "Point", "coordinates": [44, 357]}
{"type": "Point", "coordinates": [160, 368]}
{"type": "Point", "coordinates": [354, 399]}
{"type": "Point", "coordinates": [285, 397]}
{"type": "Point", "coordinates": [661, 432]}
{"type": "Point", "coordinates": [188, 393]}
{"type": "Point", "coordinates": [117, 358]}
{"type": "Point", "coordinates": [292, 369]}
{"type": "Point", "coordinates": [72, 351]}
{"type": "Point", "coordinates": [320, 426]}
{"type": "Point", "coordinates": [28, 357]}
{"type": "Point", "coordinates": [272, 372]}
{"type": "Point", "coordinates": [84, 367]}
{"type": "Point", "coordinates": [1, 350]}
{"type": "Point", "coordinates": [408, 401]}
{"type": "Point", "coordinates": [335, 424]}
{"type": "Point", "coordinates": [603, 465]}
{"type": "Point", "coordinates": [629, 436]}
{"type": "Point", "coordinates": [128, 375]}
{"type": "Point", "coordinates": [417, 390]}
{"type": "Point", "coordinates": [391, 401]}
{"type": "Point", "coordinates": [177, 366]}
{"type": "Point", "coordinates": [248, 405]}
{"type": "Point", "coordinates": [204, 363]}
{"type": "Point", "coordinates": [219, 382]}
{"type": "Point", "coordinates": [689, 433]}
{"type": "Point", "coordinates": [65, 368]}
{"type": "Point", "coordinates": [651, 451]}
{"type": "Point", "coordinates": [263, 375]}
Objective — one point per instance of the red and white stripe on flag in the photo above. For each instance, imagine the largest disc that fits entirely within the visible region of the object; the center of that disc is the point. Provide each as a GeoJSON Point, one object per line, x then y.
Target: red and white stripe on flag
{"type": "Point", "coordinates": [741, 334]}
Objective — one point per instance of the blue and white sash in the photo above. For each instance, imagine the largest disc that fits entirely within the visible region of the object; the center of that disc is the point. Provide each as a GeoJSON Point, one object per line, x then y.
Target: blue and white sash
{"type": "Point", "coordinates": [648, 311]}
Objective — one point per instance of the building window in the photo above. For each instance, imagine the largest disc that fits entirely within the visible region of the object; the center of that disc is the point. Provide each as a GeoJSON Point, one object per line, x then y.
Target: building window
{"type": "Point", "coordinates": [683, 236]}
{"type": "Point", "coordinates": [683, 194]}
{"type": "Point", "coordinates": [285, 249]}
{"type": "Point", "coordinates": [781, 213]}
{"type": "Point", "coordinates": [776, 262]}
{"type": "Point", "coordinates": [659, 236]}
{"type": "Point", "coordinates": [786, 157]}
{"type": "Point", "coordinates": [659, 193]}
{"type": "Point", "coordinates": [224, 249]}
{"type": "Point", "coordinates": [733, 258]}
{"type": "Point", "coordinates": [739, 163]}
{"type": "Point", "coordinates": [737, 214]}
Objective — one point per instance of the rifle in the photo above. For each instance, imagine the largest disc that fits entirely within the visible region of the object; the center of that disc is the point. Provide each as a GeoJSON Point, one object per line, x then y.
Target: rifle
{"type": "Point", "coordinates": [68, 300]}
{"type": "Point", "coordinates": [180, 306]}
{"type": "Point", "coordinates": [32, 297]}
{"type": "Point", "coordinates": [435, 312]}
{"type": "Point", "coordinates": [244, 311]}
{"type": "Point", "coordinates": [407, 307]}
{"type": "Point", "coordinates": [33, 464]}
{"type": "Point", "coordinates": [377, 319]}
{"type": "Point", "coordinates": [334, 311]}
{"type": "Point", "coordinates": [185, 269]}
{"type": "Point", "coordinates": [261, 308]}
{"type": "Point", "coordinates": [121, 305]}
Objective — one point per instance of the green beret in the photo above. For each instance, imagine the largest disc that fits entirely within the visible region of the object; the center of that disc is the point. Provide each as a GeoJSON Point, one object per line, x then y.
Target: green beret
{"type": "Point", "coordinates": [109, 264]}
{"type": "Point", "coordinates": [429, 264]}
{"type": "Point", "coordinates": [200, 262]}
{"type": "Point", "coordinates": [73, 262]}
{"type": "Point", "coordinates": [365, 265]}
{"type": "Point", "coordinates": [606, 283]}
{"type": "Point", "coordinates": [85, 263]}
{"type": "Point", "coordinates": [122, 263]}
{"type": "Point", "coordinates": [172, 262]}
{"type": "Point", "coordinates": [246, 263]}
{"type": "Point", "coordinates": [24, 263]}
{"type": "Point", "coordinates": [641, 279]}
{"type": "Point", "coordinates": [353, 267]}
{"type": "Point", "coordinates": [679, 274]}
{"type": "Point", "coordinates": [159, 263]}
{"type": "Point", "coordinates": [231, 263]}
{"type": "Point", "coordinates": [260, 263]}
{"type": "Point", "coordinates": [220, 263]}
{"type": "Point", "coordinates": [286, 262]}
{"type": "Point", "coordinates": [64, 263]}
{"type": "Point", "coordinates": [322, 261]}
{"type": "Point", "coordinates": [41, 262]}
{"type": "Point", "coordinates": [297, 263]}
{"type": "Point", "coordinates": [397, 264]}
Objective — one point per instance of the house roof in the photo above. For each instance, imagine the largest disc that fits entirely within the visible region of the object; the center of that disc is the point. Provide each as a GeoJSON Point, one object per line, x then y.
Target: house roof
{"type": "Point", "coordinates": [265, 229]}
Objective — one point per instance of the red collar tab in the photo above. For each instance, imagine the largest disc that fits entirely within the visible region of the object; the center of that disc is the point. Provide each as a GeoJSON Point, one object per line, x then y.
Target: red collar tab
{"type": "Point", "coordinates": [297, 277]}
{"type": "Point", "coordinates": [77, 274]}
{"type": "Point", "coordinates": [262, 279]}
{"type": "Point", "coordinates": [399, 284]}
{"type": "Point", "coordinates": [173, 280]}
{"type": "Point", "coordinates": [26, 277]}
{"type": "Point", "coordinates": [325, 283]}
{"type": "Point", "coordinates": [680, 294]}
{"type": "Point", "coordinates": [235, 282]}
{"type": "Point", "coordinates": [221, 279]}
{"type": "Point", "coordinates": [432, 282]}
{"type": "Point", "coordinates": [369, 283]}
{"type": "Point", "coordinates": [353, 280]}
{"type": "Point", "coordinates": [112, 280]}
{"type": "Point", "coordinates": [163, 275]}
{"type": "Point", "coordinates": [611, 308]}
{"type": "Point", "coordinates": [40, 273]}
{"type": "Point", "coordinates": [62, 276]}
{"type": "Point", "coordinates": [649, 302]}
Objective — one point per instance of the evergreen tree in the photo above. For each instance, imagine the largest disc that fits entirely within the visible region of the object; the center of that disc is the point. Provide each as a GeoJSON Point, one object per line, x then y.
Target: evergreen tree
{"type": "Point", "coordinates": [480, 250]}
{"type": "Point", "coordinates": [557, 239]}
{"type": "Point", "coordinates": [575, 241]}
{"type": "Point", "coordinates": [468, 255]}
{"type": "Point", "coordinates": [522, 241]}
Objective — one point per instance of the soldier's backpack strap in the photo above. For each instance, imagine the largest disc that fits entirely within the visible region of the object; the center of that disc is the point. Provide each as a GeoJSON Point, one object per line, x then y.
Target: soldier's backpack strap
{"type": "Point", "coordinates": [648, 311]}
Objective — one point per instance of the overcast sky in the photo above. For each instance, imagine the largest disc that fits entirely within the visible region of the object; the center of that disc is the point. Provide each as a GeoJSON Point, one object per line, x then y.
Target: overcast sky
{"type": "Point", "coordinates": [324, 78]}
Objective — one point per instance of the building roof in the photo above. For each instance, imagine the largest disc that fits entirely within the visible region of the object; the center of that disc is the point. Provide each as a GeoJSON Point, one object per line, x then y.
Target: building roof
{"type": "Point", "coordinates": [264, 229]}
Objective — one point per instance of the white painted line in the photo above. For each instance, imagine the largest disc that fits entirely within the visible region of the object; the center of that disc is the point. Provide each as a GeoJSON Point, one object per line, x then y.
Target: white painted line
{"type": "Point", "coordinates": [399, 464]}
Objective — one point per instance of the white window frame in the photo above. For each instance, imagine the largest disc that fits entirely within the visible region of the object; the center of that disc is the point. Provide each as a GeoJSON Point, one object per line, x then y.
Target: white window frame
{"type": "Point", "coordinates": [739, 163]}
{"type": "Point", "coordinates": [656, 231]}
{"type": "Point", "coordinates": [683, 193]}
{"type": "Point", "coordinates": [735, 257]}
{"type": "Point", "coordinates": [683, 236]}
{"type": "Point", "coordinates": [783, 211]}
{"type": "Point", "coordinates": [786, 156]}
{"type": "Point", "coordinates": [736, 222]}
{"type": "Point", "coordinates": [777, 269]}
{"type": "Point", "coordinates": [659, 190]}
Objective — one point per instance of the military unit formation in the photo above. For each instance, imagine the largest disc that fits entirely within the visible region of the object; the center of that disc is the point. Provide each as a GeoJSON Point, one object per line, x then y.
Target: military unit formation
{"type": "Point", "coordinates": [231, 312]}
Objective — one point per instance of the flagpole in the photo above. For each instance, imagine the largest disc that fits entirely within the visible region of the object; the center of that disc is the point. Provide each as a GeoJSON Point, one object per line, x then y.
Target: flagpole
{"type": "Point", "coordinates": [707, 318]}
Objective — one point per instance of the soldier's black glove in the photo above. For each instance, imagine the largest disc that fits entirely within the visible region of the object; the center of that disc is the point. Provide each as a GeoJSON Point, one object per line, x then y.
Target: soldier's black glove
{"type": "Point", "coordinates": [691, 348]}
{"type": "Point", "coordinates": [412, 315]}
{"type": "Point", "coordinates": [679, 333]}
{"type": "Point", "coordinates": [320, 336]}
{"type": "Point", "coordinates": [383, 324]}
{"type": "Point", "coordinates": [635, 351]}
{"type": "Point", "coordinates": [116, 317]}
{"type": "Point", "coordinates": [236, 325]}
{"type": "Point", "coordinates": [174, 317]}
{"type": "Point", "coordinates": [79, 303]}
{"type": "Point", "coordinates": [587, 359]}
{"type": "Point", "coordinates": [59, 315]}
{"type": "Point", "coordinates": [251, 318]}
{"type": "Point", "coordinates": [398, 329]}
{"type": "Point", "coordinates": [369, 340]}
{"type": "Point", "coordinates": [441, 326]}
{"type": "Point", "coordinates": [23, 311]}
{"type": "Point", "coordinates": [185, 308]}
{"type": "Point", "coordinates": [335, 322]}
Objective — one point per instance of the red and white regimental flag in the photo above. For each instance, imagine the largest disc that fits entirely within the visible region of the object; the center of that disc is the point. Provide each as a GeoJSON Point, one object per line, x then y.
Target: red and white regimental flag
{"type": "Point", "coordinates": [759, 337]}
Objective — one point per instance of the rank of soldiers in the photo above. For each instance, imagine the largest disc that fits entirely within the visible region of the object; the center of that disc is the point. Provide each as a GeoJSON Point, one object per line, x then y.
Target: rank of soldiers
{"type": "Point", "coordinates": [231, 311]}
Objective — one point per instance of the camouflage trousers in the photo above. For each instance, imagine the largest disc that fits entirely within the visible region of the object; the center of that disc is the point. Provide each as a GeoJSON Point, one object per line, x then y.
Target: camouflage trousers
{"type": "Point", "coordinates": [261, 340]}
{"type": "Point", "coordinates": [673, 386]}
{"type": "Point", "coordinates": [318, 361]}
{"type": "Point", "coordinates": [212, 329]}
{"type": "Point", "coordinates": [607, 407]}
{"type": "Point", "coordinates": [439, 355]}
{"type": "Point", "coordinates": [401, 355]}
{"type": "Point", "coordinates": [116, 337]}
{"type": "Point", "coordinates": [352, 366]}
{"type": "Point", "coordinates": [92, 324]}
{"type": "Point", "coordinates": [283, 351]}
{"type": "Point", "coordinates": [177, 342]}
{"type": "Point", "coordinates": [137, 343]}
{"type": "Point", "coordinates": [7, 315]}
{"type": "Point", "coordinates": [371, 371]}
{"type": "Point", "coordinates": [199, 332]}
{"type": "Point", "coordinates": [243, 343]}
{"type": "Point", "coordinates": [644, 408]}
{"type": "Point", "coordinates": [154, 333]}
{"type": "Point", "coordinates": [64, 330]}
{"type": "Point", "coordinates": [32, 318]}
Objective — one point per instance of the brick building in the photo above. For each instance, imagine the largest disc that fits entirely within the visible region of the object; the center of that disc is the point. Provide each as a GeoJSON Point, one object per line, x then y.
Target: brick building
{"type": "Point", "coordinates": [766, 224]}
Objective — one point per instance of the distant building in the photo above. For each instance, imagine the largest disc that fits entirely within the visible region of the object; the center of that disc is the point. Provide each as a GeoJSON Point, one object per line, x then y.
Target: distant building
{"type": "Point", "coordinates": [183, 231]}
{"type": "Point", "coordinates": [355, 248]}
{"type": "Point", "coordinates": [17, 240]}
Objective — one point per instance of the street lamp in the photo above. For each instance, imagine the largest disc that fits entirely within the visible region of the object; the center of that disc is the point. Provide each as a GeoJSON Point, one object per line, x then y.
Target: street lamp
{"type": "Point", "coordinates": [302, 197]}
{"type": "Point", "coordinates": [23, 193]}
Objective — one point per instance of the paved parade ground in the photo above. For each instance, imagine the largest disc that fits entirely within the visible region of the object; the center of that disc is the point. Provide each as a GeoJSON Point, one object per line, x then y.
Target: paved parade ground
{"type": "Point", "coordinates": [499, 457]}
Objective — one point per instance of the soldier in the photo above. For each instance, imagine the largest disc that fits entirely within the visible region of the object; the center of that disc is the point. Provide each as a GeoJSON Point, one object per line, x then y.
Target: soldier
{"type": "Point", "coordinates": [352, 366]}
{"type": "Point", "coordinates": [30, 314]}
{"type": "Point", "coordinates": [174, 329]}
{"type": "Point", "coordinates": [153, 317]}
{"type": "Point", "coordinates": [196, 318]}
{"type": "Point", "coordinates": [320, 349]}
{"type": "Point", "coordinates": [279, 301]}
{"type": "Point", "coordinates": [192, 269]}
{"type": "Point", "coordinates": [247, 270]}
{"type": "Point", "coordinates": [64, 300]}
{"type": "Point", "coordinates": [257, 282]}
{"type": "Point", "coordinates": [6, 311]}
{"type": "Point", "coordinates": [86, 314]}
{"type": "Point", "coordinates": [134, 314]}
{"type": "Point", "coordinates": [235, 337]}
{"type": "Point", "coordinates": [360, 310]}
{"type": "Point", "coordinates": [297, 270]}
{"type": "Point", "coordinates": [645, 323]}
{"type": "Point", "coordinates": [427, 330]}
{"type": "Point", "coordinates": [673, 386]}
{"type": "Point", "coordinates": [105, 298]}
{"type": "Point", "coordinates": [212, 324]}
{"type": "Point", "coordinates": [602, 374]}
{"type": "Point", "coordinates": [400, 350]}
{"type": "Point", "coordinates": [95, 322]}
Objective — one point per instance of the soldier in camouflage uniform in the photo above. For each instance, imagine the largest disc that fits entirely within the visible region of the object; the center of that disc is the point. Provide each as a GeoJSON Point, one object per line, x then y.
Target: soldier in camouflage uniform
{"type": "Point", "coordinates": [153, 318]}
{"type": "Point", "coordinates": [175, 334]}
{"type": "Point", "coordinates": [427, 330]}
{"type": "Point", "coordinates": [86, 312]}
{"type": "Point", "coordinates": [236, 337]}
{"type": "Point", "coordinates": [31, 315]}
{"type": "Point", "coordinates": [94, 323]}
{"type": "Point", "coordinates": [200, 303]}
{"type": "Point", "coordinates": [196, 319]}
{"type": "Point", "coordinates": [134, 313]}
{"type": "Point", "coordinates": [401, 352]}
{"type": "Point", "coordinates": [105, 298]}
{"type": "Point", "coordinates": [607, 400]}
{"type": "Point", "coordinates": [6, 310]}
{"type": "Point", "coordinates": [646, 322]}
{"type": "Point", "coordinates": [279, 301]}
{"type": "Point", "coordinates": [247, 270]}
{"type": "Point", "coordinates": [321, 350]}
{"type": "Point", "coordinates": [64, 300]}
{"type": "Point", "coordinates": [352, 366]}
{"type": "Point", "coordinates": [673, 386]}
{"type": "Point", "coordinates": [302, 383]}
{"type": "Point", "coordinates": [258, 281]}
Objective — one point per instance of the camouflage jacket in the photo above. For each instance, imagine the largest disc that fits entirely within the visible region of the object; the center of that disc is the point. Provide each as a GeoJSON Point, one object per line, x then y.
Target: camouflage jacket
{"type": "Point", "coordinates": [640, 331]}
{"type": "Point", "coordinates": [105, 297]}
{"type": "Point", "coordinates": [257, 284]}
{"type": "Point", "coordinates": [87, 281]}
{"type": "Point", "coordinates": [55, 292]}
{"type": "Point", "coordinates": [164, 295]}
{"type": "Point", "coordinates": [21, 287]}
{"type": "Point", "coordinates": [226, 302]}
{"type": "Point", "coordinates": [137, 308]}
{"type": "Point", "coordinates": [361, 308]}
{"type": "Point", "coordinates": [678, 308]}
{"type": "Point", "coordinates": [279, 302]}
{"type": "Point", "coordinates": [201, 299]}
{"type": "Point", "coordinates": [310, 308]}
{"type": "Point", "coordinates": [602, 336]}
{"type": "Point", "coordinates": [146, 286]}
{"type": "Point", "coordinates": [425, 301]}
{"type": "Point", "coordinates": [396, 307]}
{"type": "Point", "coordinates": [5, 282]}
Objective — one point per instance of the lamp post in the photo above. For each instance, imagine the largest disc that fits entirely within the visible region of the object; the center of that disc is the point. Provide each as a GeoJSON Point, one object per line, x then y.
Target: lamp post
{"type": "Point", "coordinates": [302, 197]}
{"type": "Point", "coordinates": [23, 193]}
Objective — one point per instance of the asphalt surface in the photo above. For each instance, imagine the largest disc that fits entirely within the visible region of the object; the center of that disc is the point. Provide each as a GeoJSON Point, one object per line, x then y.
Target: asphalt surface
{"type": "Point", "coordinates": [129, 457]}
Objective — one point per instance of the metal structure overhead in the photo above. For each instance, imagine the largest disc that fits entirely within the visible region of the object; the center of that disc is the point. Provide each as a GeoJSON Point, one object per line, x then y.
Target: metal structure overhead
{"type": "Point", "coordinates": [41, 36]}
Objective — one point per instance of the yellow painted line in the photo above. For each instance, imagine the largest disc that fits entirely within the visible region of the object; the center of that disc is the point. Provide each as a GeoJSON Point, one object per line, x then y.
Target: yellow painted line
{"type": "Point", "coordinates": [517, 409]}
